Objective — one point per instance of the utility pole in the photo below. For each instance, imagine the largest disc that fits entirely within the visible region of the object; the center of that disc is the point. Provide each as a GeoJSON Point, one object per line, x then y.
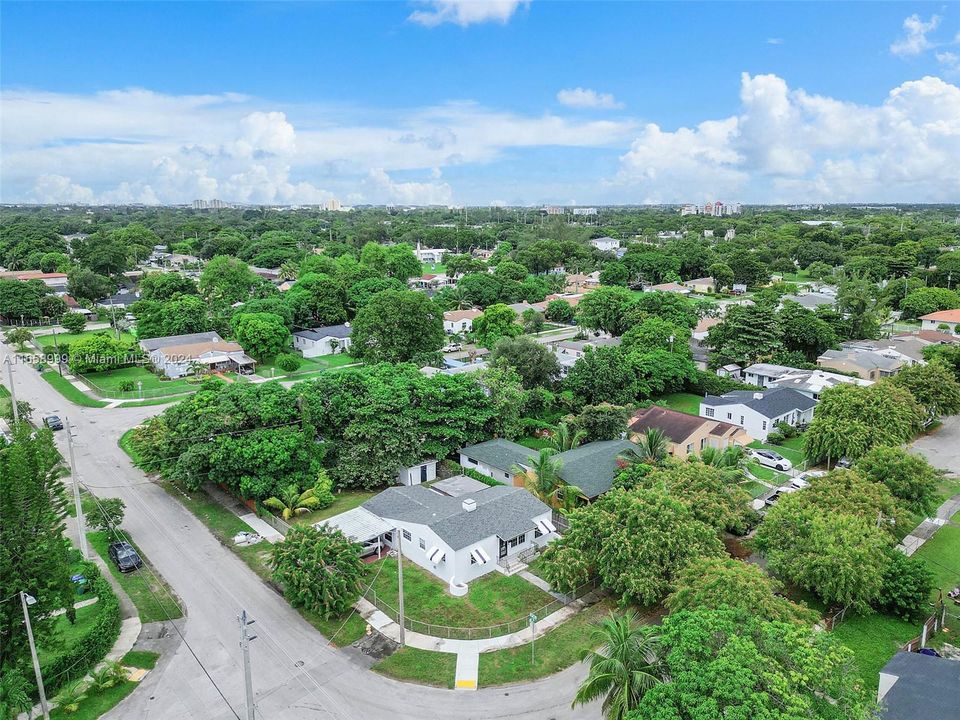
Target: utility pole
{"type": "Point", "coordinates": [25, 601]}
{"type": "Point", "coordinates": [247, 674]}
{"type": "Point", "coordinates": [403, 636]}
{"type": "Point", "coordinates": [13, 394]}
{"type": "Point", "coordinates": [81, 522]}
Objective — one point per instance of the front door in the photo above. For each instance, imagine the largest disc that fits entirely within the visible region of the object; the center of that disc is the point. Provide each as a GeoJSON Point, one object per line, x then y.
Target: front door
{"type": "Point", "coordinates": [423, 473]}
{"type": "Point", "coordinates": [503, 548]}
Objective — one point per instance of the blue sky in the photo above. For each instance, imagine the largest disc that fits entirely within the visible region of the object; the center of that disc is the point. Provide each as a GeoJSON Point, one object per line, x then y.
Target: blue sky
{"type": "Point", "coordinates": [447, 102]}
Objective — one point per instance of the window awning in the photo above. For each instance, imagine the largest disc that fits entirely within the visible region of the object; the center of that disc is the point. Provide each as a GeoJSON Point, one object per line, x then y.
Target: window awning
{"type": "Point", "coordinates": [545, 526]}
{"type": "Point", "coordinates": [435, 554]}
{"type": "Point", "coordinates": [479, 555]}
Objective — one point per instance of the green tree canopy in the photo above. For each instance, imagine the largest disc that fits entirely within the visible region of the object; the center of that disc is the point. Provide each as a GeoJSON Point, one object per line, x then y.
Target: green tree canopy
{"type": "Point", "coordinates": [396, 326]}
{"type": "Point", "coordinates": [263, 335]}
{"type": "Point", "coordinates": [497, 322]}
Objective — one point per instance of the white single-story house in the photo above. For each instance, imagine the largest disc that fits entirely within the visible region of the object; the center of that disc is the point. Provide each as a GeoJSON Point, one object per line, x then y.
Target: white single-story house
{"type": "Point", "coordinates": [323, 340]}
{"type": "Point", "coordinates": [668, 287]}
{"type": "Point", "coordinates": [496, 458]}
{"type": "Point", "coordinates": [458, 529]}
{"type": "Point", "coordinates": [809, 382]}
{"type": "Point", "coordinates": [703, 327]}
{"type": "Point", "coordinates": [425, 471]}
{"type": "Point", "coordinates": [947, 318]}
{"type": "Point", "coordinates": [605, 244]}
{"type": "Point", "coordinates": [459, 321]}
{"type": "Point", "coordinates": [177, 355]}
{"type": "Point", "coordinates": [431, 256]}
{"type": "Point", "coordinates": [759, 412]}
{"type": "Point", "coordinates": [120, 300]}
{"type": "Point", "coordinates": [730, 370]}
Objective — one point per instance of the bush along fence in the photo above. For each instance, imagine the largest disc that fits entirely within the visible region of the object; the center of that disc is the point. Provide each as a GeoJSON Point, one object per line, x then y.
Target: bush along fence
{"type": "Point", "coordinates": [136, 394]}
{"type": "Point", "coordinates": [90, 648]}
{"type": "Point", "coordinates": [449, 468]}
{"type": "Point", "coordinates": [931, 626]}
{"type": "Point", "coordinates": [479, 633]}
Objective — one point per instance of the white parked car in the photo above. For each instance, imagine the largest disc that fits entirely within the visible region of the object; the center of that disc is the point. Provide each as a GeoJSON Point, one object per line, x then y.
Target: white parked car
{"type": "Point", "coordinates": [772, 460]}
{"type": "Point", "coordinates": [802, 480]}
{"type": "Point", "coordinates": [452, 347]}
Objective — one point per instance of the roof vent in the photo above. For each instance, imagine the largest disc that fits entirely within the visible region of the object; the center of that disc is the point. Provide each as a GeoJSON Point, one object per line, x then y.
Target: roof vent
{"type": "Point", "coordinates": [469, 504]}
{"type": "Point", "coordinates": [758, 396]}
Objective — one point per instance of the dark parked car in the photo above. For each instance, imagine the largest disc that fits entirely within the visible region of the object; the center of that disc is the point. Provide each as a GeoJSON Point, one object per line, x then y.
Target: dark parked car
{"type": "Point", "coordinates": [125, 557]}
{"type": "Point", "coordinates": [53, 422]}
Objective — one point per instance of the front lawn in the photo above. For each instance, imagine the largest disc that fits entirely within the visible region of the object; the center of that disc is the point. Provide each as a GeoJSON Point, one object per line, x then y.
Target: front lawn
{"type": "Point", "coordinates": [308, 366]}
{"type": "Point", "coordinates": [755, 488]}
{"type": "Point", "coordinates": [794, 456]}
{"type": "Point", "coordinates": [761, 472]}
{"type": "Point", "coordinates": [491, 600]}
{"type": "Point", "coordinates": [49, 341]}
{"type": "Point", "coordinates": [680, 401]}
{"type": "Point", "coordinates": [98, 702]}
{"type": "Point", "coordinates": [557, 649]}
{"type": "Point", "coordinates": [67, 389]}
{"type": "Point", "coordinates": [343, 501]}
{"type": "Point", "coordinates": [153, 597]}
{"type": "Point", "coordinates": [420, 666]}
{"type": "Point", "coordinates": [109, 382]}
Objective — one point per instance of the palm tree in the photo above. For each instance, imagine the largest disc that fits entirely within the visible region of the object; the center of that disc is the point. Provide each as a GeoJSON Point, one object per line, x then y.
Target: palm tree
{"type": "Point", "coordinates": [568, 497]}
{"type": "Point", "coordinates": [651, 449]}
{"type": "Point", "coordinates": [730, 461]}
{"type": "Point", "coordinates": [625, 666]}
{"type": "Point", "coordinates": [567, 439]}
{"type": "Point", "coordinates": [293, 502]}
{"type": "Point", "coordinates": [543, 477]}
{"type": "Point", "coordinates": [458, 298]}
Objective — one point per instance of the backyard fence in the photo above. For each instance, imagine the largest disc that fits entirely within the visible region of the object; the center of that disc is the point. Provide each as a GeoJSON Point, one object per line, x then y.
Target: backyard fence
{"type": "Point", "coordinates": [479, 633]}
{"type": "Point", "coordinates": [836, 618]}
{"type": "Point", "coordinates": [930, 626]}
{"type": "Point", "coordinates": [278, 524]}
{"type": "Point", "coordinates": [147, 394]}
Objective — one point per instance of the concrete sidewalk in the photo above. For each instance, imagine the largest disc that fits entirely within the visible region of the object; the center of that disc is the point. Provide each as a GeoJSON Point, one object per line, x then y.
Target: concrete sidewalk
{"type": "Point", "coordinates": [928, 528]}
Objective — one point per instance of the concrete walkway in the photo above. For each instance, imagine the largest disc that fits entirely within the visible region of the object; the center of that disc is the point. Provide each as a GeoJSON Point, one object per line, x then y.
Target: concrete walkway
{"type": "Point", "coordinates": [267, 532]}
{"type": "Point", "coordinates": [468, 670]}
{"type": "Point", "coordinates": [928, 528]}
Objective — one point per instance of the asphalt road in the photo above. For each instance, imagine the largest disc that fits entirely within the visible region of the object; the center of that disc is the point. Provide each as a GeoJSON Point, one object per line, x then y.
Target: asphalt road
{"type": "Point", "coordinates": [296, 673]}
{"type": "Point", "coordinates": [941, 448]}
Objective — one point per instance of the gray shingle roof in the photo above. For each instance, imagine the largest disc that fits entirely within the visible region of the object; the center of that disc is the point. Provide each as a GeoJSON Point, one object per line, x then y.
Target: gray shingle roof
{"type": "Point", "coordinates": [867, 359]}
{"type": "Point", "coordinates": [501, 510]}
{"type": "Point", "coordinates": [592, 467]}
{"type": "Point", "coordinates": [152, 344]}
{"type": "Point", "coordinates": [771, 403]}
{"type": "Point", "coordinates": [319, 333]}
{"type": "Point", "coordinates": [926, 687]}
{"type": "Point", "coordinates": [500, 454]}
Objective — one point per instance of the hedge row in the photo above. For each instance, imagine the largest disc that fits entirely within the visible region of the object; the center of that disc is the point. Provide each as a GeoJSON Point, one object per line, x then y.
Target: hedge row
{"type": "Point", "coordinates": [89, 649]}
{"type": "Point", "coordinates": [455, 468]}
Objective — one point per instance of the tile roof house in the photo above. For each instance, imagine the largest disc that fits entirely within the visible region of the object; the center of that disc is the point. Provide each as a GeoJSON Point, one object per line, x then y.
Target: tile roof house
{"type": "Point", "coordinates": [319, 341]}
{"type": "Point", "coordinates": [687, 434]}
{"type": "Point", "coordinates": [702, 286]}
{"type": "Point", "coordinates": [459, 321]}
{"type": "Point", "coordinates": [177, 355]}
{"type": "Point", "coordinates": [759, 412]}
{"type": "Point", "coordinates": [914, 685]}
{"type": "Point", "coordinates": [459, 532]}
{"type": "Point", "coordinates": [934, 320]}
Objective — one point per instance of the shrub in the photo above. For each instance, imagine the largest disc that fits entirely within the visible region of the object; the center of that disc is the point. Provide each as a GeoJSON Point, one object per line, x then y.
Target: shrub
{"type": "Point", "coordinates": [126, 386]}
{"type": "Point", "coordinates": [775, 438]}
{"type": "Point", "coordinates": [323, 490]}
{"type": "Point", "coordinates": [87, 650]}
{"type": "Point", "coordinates": [712, 384]}
{"type": "Point", "coordinates": [73, 322]}
{"type": "Point", "coordinates": [288, 362]}
{"type": "Point", "coordinates": [906, 588]}
{"type": "Point", "coordinates": [787, 430]}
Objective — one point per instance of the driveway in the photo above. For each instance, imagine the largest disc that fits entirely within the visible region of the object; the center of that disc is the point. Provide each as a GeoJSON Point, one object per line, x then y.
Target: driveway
{"type": "Point", "coordinates": [296, 674]}
{"type": "Point", "coordinates": [941, 448]}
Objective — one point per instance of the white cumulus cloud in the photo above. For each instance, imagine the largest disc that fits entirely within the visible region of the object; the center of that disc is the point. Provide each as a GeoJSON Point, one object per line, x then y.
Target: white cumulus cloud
{"type": "Point", "coordinates": [914, 40]}
{"type": "Point", "coordinates": [788, 145]}
{"type": "Point", "coordinates": [579, 97]}
{"type": "Point", "coordinates": [465, 12]}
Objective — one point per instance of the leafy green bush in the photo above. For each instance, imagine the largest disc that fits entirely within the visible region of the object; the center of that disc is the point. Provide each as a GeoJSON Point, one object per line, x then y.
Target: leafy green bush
{"type": "Point", "coordinates": [776, 437]}
{"type": "Point", "coordinates": [126, 386]}
{"type": "Point", "coordinates": [89, 649]}
{"type": "Point", "coordinates": [458, 469]}
{"type": "Point", "coordinates": [288, 362]}
{"type": "Point", "coordinates": [907, 584]}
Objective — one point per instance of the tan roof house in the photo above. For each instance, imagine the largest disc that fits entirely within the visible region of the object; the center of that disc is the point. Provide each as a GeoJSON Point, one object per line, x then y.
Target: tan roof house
{"type": "Point", "coordinates": [179, 355]}
{"type": "Point", "coordinates": [687, 434]}
{"type": "Point", "coordinates": [702, 286]}
{"type": "Point", "coordinates": [948, 319]}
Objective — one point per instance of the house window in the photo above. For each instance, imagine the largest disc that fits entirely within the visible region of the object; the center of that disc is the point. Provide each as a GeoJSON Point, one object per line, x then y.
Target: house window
{"type": "Point", "coordinates": [709, 412]}
{"type": "Point", "coordinates": [518, 540]}
{"type": "Point", "coordinates": [763, 425]}
{"type": "Point", "coordinates": [423, 544]}
{"type": "Point", "coordinates": [407, 535]}
{"type": "Point", "coordinates": [471, 461]}
{"type": "Point", "coordinates": [689, 448]}
{"type": "Point", "coordinates": [729, 416]}
{"type": "Point", "coordinates": [536, 533]}
{"type": "Point", "coordinates": [741, 419]}
{"type": "Point", "coordinates": [473, 560]}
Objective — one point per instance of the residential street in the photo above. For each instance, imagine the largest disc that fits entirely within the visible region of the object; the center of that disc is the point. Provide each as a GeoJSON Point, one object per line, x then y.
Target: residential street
{"type": "Point", "coordinates": [296, 674]}
{"type": "Point", "coordinates": [942, 446]}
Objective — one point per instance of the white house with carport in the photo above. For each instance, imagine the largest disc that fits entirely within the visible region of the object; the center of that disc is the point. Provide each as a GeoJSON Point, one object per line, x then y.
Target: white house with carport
{"type": "Point", "coordinates": [459, 321]}
{"type": "Point", "coordinates": [319, 341]}
{"type": "Point", "coordinates": [605, 244]}
{"type": "Point", "coordinates": [811, 383]}
{"type": "Point", "coordinates": [759, 412]}
{"type": "Point", "coordinates": [178, 355]}
{"type": "Point", "coordinates": [457, 529]}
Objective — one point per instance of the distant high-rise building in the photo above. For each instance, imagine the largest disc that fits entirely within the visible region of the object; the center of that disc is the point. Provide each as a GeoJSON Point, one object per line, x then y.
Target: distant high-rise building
{"type": "Point", "coordinates": [200, 205]}
{"type": "Point", "coordinates": [553, 210]}
{"type": "Point", "coordinates": [332, 205]}
{"type": "Point", "coordinates": [217, 204]}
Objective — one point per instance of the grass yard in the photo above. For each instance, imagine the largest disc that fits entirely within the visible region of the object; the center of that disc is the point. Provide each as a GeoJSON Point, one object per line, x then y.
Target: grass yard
{"type": "Point", "coordinates": [535, 443]}
{"type": "Point", "coordinates": [342, 502]}
{"type": "Point", "coordinates": [99, 702]}
{"type": "Point", "coordinates": [308, 366]}
{"type": "Point", "coordinates": [66, 633]}
{"type": "Point", "coordinates": [109, 382]}
{"type": "Point", "coordinates": [433, 268]}
{"type": "Point", "coordinates": [791, 454]}
{"type": "Point", "coordinates": [754, 488]}
{"type": "Point", "coordinates": [681, 401]}
{"type": "Point", "coordinates": [875, 638]}
{"type": "Point", "coordinates": [154, 599]}
{"type": "Point", "coordinates": [420, 666]}
{"type": "Point", "coordinates": [491, 600]}
{"type": "Point", "coordinates": [126, 444]}
{"type": "Point", "coordinates": [65, 388]}
{"type": "Point", "coordinates": [141, 659]}
{"type": "Point", "coordinates": [49, 341]}
{"type": "Point", "coordinates": [558, 649]}
{"type": "Point", "coordinates": [766, 474]}
{"type": "Point", "coordinates": [795, 443]}
{"type": "Point", "coordinates": [800, 276]}
{"type": "Point", "coordinates": [156, 401]}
